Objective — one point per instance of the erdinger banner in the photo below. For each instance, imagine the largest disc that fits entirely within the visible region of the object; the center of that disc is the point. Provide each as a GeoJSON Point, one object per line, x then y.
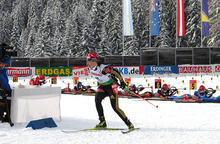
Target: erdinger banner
{"type": "Point", "coordinates": [160, 69]}
{"type": "Point", "coordinates": [19, 71]}
{"type": "Point", "coordinates": [80, 71]}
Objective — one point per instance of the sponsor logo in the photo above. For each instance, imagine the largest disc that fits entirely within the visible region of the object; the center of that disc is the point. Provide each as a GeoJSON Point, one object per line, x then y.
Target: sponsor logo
{"type": "Point", "coordinates": [195, 69]}
{"type": "Point", "coordinates": [112, 97]}
{"type": "Point", "coordinates": [160, 69]}
{"type": "Point", "coordinates": [128, 70]}
{"type": "Point", "coordinates": [156, 69]}
{"type": "Point", "coordinates": [53, 71]}
{"type": "Point", "coordinates": [19, 71]}
{"type": "Point", "coordinates": [217, 68]}
{"type": "Point", "coordinates": [82, 71]}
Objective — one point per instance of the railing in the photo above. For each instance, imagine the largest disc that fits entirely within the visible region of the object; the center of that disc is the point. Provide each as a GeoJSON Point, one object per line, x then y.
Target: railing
{"type": "Point", "coordinates": [149, 56]}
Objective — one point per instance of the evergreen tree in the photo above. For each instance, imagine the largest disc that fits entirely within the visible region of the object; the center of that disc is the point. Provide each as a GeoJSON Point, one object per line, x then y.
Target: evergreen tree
{"type": "Point", "coordinates": [73, 28]}
{"type": "Point", "coordinates": [213, 40]}
{"type": "Point", "coordinates": [58, 48]}
{"type": "Point", "coordinates": [6, 24]}
{"type": "Point", "coordinates": [45, 35]}
{"type": "Point", "coordinates": [167, 17]}
{"type": "Point", "coordinates": [84, 32]}
{"type": "Point", "coordinates": [20, 18]}
{"type": "Point", "coordinates": [112, 29]}
{"type": "Point", "coordinates": [95, 27]}
{"type": "Point", "coordinates": [141, 25]}
{"type": "Point", "coordinates": [192, 36]}
{"type": "Point", "coordinates": [29, 35]}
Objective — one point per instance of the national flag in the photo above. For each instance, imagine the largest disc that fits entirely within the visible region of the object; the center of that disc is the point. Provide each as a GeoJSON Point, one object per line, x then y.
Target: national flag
{"type": "Point", "coordinates": [127, 18]}
{"type": "Point", "coordinates": [155, 24]}
{"type": "Point", "coordinates": [205, 18]}
{"type": "Point", "coordinates": [180, 18]}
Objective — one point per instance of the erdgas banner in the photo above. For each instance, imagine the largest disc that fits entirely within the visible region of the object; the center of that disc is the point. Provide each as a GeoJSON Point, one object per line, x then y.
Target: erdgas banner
{"type": "Point", "coordinates": [53, 71]}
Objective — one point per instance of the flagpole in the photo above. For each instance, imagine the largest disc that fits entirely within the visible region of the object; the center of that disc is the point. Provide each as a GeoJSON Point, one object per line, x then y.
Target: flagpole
{"type": "Point", "coordinates": [201, 24]}
{"type": "Point", "coordinates": [122, 27]}
{"type": "Point", "coordinates": [150, 26]}
{"type": "Point", "coordinates": [176, 20]}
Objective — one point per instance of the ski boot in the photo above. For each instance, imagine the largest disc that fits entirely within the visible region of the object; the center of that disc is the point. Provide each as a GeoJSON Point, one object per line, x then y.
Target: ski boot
{"type": "Point", "coordinates": [129, 124]}
{"type": "Point", "coordinates": [102, 123]}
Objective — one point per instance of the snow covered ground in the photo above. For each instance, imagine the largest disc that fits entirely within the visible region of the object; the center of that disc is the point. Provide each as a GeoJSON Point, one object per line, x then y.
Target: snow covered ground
{"type": "Point", "coordinates": [170, 123]}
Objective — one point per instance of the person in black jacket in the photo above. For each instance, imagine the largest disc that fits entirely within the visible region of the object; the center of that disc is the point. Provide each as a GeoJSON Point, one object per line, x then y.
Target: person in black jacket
{"type": "Point", "coordinates": [108, 80]}
{"type": "Point", "coordinates": [166, 92]}
{"type": "Point", "coordinates": [80, 88]}
{"type": "Point", "coordinates": [132, 90]}
{"type": "Point", "coordinates": [5, 90]}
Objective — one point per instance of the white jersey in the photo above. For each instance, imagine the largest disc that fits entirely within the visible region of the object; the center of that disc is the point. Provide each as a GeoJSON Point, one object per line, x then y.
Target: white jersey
{"type": "Point", "coordinates": [97, 74]}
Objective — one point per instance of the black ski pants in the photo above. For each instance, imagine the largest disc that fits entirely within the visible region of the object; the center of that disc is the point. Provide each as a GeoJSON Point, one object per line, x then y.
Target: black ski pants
{"type": "Point", "coordinates": [112, 92]}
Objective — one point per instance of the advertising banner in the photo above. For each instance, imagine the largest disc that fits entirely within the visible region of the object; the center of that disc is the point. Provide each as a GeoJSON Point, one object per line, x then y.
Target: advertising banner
{"type": "Point", "coordinates": [127, 70]}
{"type": "Point", "coordinates": [160, 69]}
{"type": "Point", "coordinates": [53, 71]}
{"type": "Point", "coordinates": [80, 71]}
{"type": "Point", "coordinates": [217, 68]}
{"type": "Point", "coordinates": [195, 69]}
{"type": "Point", "coordinates": [21, 72]}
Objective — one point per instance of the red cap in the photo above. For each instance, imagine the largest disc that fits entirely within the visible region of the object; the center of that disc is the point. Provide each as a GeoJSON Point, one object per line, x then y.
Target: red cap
{"type": "Point", "coordinates": [165, 86]}
{"type": "Point", "coordinates": [202, 87]}
{"type": "Point", "coordinates": [42, 77]}
{"type": "Point", "coordinates": [92, 57]}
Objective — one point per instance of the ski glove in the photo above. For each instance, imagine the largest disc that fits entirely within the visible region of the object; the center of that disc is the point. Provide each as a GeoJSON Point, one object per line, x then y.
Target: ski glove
{"type": "Point", "coordinates": [122, 85]}
{"type": "Point", "coordinates": [2, 92]}
{"type": "Point", "coordinates": [106, 70]}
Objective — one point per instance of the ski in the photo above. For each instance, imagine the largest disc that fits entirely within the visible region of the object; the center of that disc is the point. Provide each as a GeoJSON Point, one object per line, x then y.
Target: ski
{"type": "Point", "coordinates": [129, 130]}
{"type": "Point", "coordinates": [185, 101]}
{"type": "Point", "coordinates": [91, 129]}
{"type": "Point", "coordinates": [87, 94]}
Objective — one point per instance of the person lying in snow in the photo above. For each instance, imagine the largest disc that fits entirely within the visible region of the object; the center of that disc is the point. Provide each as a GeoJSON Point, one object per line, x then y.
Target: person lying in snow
{"type": "Point", "coordinates": [133, 89]}
{"type": "Point", "coordinates": [37, 80]}
{"type": "Point", "coordinates": [206, 95]}
{"type": "Point", "coordinates": [166, 92]}
{"type": "Point", "coordinates": [67, 90]}
{"type": "Point", "coordinates": [201, 95]}
{"type": "Point", "coordinates": [79, 88]}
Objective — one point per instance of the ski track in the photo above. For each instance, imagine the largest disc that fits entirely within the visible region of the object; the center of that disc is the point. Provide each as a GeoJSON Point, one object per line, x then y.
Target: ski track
{"type": "Point", "coordinates": [170, 123]}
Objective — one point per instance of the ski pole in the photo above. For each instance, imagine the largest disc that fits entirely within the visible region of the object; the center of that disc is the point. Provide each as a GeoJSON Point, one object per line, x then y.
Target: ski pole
{"type": "Point", "coordinates": [146, 100]}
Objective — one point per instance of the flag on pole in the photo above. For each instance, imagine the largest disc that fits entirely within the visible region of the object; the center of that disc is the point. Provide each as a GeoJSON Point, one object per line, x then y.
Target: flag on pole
{"type": "Point", "coordinates": [180, 18]}
{"type": "Point", "coordinates": [127, 18]}
{"type": "Point", "coordinates": [205, 18]}
{"type": "Point", "coordinates": [154, 18]}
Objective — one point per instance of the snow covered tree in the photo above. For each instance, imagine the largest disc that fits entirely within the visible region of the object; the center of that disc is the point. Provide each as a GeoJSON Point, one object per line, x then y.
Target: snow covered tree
{"type": "Point", "coordinates": [20, 18]}
{"type": "Point", "coordinates": [73, 28]}
{"type": "Point", "coordinates": [192, 36]}
{"type": "Point", "coordinates": [213, 40]}
{"type": "Point", "coordinates": [6, 24]}
{"type": "Point", "coordinates": [167, 10]}
{"type": "Point", "coordinates": [95, 26]}
{"type": "Point", "coordinates": [111, 43]}
{"type": "Point", "coordinates": [44, 43]}
{"type": "Point", "coordinates": [141, 25]}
